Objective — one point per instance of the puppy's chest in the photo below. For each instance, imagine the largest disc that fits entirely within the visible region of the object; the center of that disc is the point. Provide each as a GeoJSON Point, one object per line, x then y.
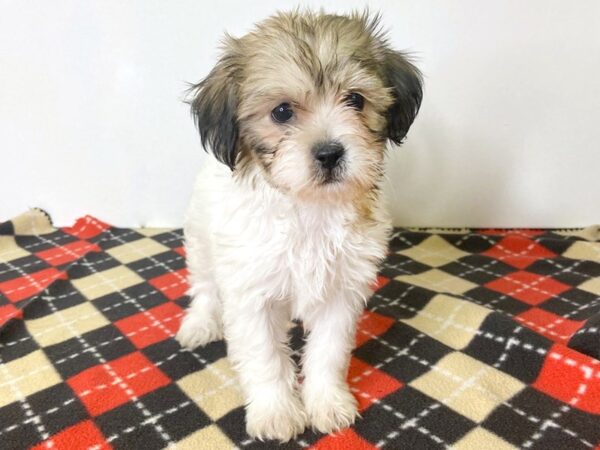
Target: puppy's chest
{"type": "Point", "coordinates": [323, 255]}
{"type": "Point", "coordinates": [302, 254]}
{"type": "Point", "coordinates": [316, 246]}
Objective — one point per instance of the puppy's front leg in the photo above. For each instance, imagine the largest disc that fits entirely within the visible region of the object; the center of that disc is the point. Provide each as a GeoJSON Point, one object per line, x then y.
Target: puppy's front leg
{"type": "Point", "coordinates": [257, 345]}
{"type": "Point", "coordinates": [328, 401]}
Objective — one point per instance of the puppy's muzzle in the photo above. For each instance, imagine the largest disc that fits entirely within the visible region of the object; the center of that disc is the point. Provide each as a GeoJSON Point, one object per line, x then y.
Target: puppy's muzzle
{"type": "Point", "coordinates": [328, 154]}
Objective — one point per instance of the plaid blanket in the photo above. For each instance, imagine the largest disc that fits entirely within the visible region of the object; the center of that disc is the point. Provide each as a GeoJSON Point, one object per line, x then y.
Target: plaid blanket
{"type": "Point", "coordinates": [474, 339]}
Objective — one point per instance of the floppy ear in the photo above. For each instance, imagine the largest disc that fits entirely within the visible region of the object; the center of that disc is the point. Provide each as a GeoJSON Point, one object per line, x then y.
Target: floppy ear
{"type": "Point", "coordinates": [214, 109]}
{"type": "Point", "coordinates": [406, 84]}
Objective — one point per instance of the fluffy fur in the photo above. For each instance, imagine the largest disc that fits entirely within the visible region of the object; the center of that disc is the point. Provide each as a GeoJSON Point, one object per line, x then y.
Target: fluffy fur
{"type": "Point", "coordinates": [271, 235]}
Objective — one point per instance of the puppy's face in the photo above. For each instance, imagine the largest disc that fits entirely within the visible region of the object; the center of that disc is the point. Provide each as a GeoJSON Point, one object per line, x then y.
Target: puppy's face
{"type": "Point", "coordinates": [311, 99]}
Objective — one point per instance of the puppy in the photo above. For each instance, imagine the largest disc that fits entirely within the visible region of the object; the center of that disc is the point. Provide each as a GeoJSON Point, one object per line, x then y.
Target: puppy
{"type": "Point", "coordinates": [287, 219]}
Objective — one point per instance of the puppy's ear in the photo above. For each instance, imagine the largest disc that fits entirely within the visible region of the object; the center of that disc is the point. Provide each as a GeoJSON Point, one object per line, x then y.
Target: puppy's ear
{"type": "Point", "coordinates": [214, 108]}
{"type": "Point", "coordinates": [406, 84]}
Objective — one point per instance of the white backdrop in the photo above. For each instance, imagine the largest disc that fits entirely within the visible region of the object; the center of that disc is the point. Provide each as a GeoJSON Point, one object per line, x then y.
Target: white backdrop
{"type": "Point", "coordinates": [91, 119]}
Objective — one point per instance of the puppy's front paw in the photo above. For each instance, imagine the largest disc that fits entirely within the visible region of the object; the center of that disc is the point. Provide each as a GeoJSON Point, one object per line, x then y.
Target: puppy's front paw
{"type": "Point", "coordinates": [330, 408]}
{"type": "Point", "coordinates": [196, 331]}
{"type": "Point", "coordinates": [281, 418]}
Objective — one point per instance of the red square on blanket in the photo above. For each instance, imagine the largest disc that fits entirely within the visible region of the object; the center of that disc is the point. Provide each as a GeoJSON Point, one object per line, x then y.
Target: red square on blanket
{"type": "Point", "coordinates": [106, 386]}
{"type": "Point", "coordinates": [370, 326]}
{"type": "Point", "coordinates": [554, 327]}
{"type": "Point", "coordinates": [8, 312]}
{"type": "Point", "coordinates": [344, 440]}
{"type": "Point", "coordinates": [29, 284]}
{"type": "Point", "coordinates": [86, 227]}
{"type": "Point", "coordinates": [369, 384]}
{"type": "Point", "coordinates": [173, 284]}
{"type": "Point", "coordinates": [67, 253]}
{"type": "Point", "coordinates": [571, 377]}
{"type": "Point", "coordinates": [528, 287]}
{"type": "Point", "coordinates": [84, 435]}
{"type": "Point", "coordinates": [151, 326]}
{"type": "Point", "coordinates": [518, 251]}
{"type": "Point", "coordinates": [380, 282]}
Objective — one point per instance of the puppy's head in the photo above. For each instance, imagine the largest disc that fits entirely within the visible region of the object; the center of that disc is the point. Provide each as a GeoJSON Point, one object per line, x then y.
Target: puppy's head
{"type": "Point", "coordinates": [310, 99]}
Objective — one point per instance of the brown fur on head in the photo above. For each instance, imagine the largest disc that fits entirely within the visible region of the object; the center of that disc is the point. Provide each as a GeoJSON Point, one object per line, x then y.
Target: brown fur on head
{"type": "Point", "coordinates": [316, 63]}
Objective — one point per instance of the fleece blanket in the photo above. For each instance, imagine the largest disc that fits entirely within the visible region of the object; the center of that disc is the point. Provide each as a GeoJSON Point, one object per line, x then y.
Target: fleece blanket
{"type": "Point", "coordinates": [474, 339]}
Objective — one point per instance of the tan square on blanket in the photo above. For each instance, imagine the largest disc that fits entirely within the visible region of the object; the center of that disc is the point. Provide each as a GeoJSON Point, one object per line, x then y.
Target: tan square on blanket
{"type": "Point", "coordinates": [468, 386]}
{"type": "Point", "coordinates": [451, 321]}
{"type": "Point", "coordinates": [25, 376]}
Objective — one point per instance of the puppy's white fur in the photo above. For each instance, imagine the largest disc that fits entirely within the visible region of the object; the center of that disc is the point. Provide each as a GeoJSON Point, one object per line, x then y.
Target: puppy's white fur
{"type": "Point", "coordinates": [257, 259]}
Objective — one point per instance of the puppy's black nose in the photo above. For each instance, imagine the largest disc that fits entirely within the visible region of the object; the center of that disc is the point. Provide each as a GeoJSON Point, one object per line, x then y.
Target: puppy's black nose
{"type": "Point", "coordinates": [328, 154]}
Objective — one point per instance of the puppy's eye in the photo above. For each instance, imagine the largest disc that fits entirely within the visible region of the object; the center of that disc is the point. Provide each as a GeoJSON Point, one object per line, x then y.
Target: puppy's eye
{"type": "Point", "coordinates": [282, 113]}
{"type": "Point", "coordinates": [355, 100]}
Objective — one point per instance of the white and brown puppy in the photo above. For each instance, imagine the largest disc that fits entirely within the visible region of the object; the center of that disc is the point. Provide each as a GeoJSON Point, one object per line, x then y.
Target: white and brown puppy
{"type": "Point", "coordinates": [287, 220]}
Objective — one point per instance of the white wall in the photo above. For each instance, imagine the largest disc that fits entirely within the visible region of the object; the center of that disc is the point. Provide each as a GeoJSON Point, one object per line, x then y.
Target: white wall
{"type": "Point", "coordinates": [91, 119]}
